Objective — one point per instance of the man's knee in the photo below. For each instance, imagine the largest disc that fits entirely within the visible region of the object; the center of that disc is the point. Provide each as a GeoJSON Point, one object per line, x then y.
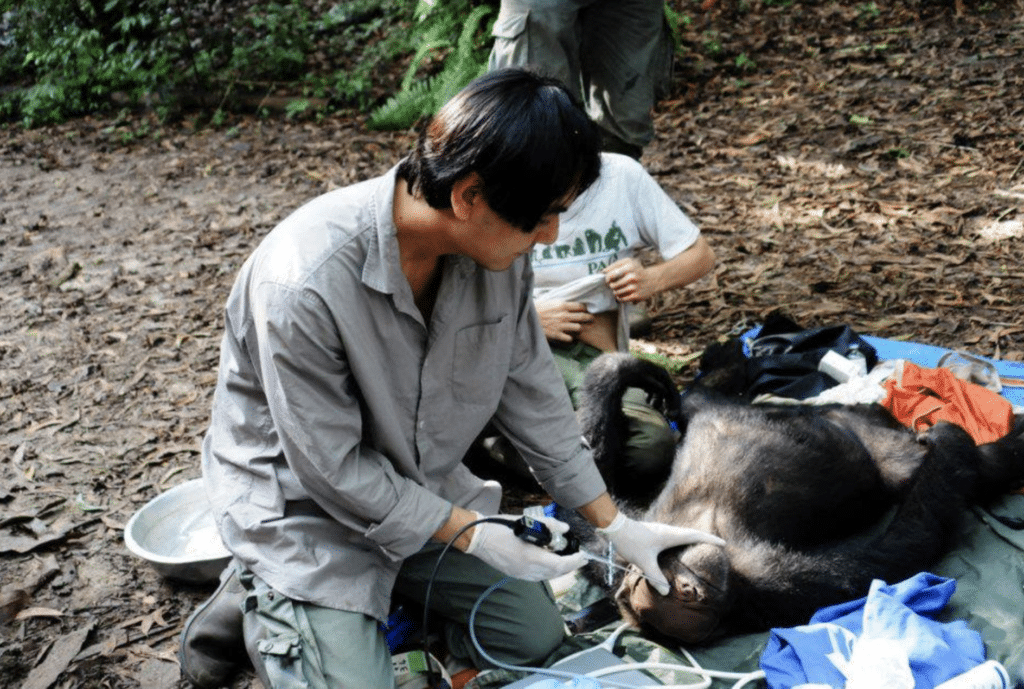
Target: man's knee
{"type": "Point", "coordinates": [296, 645]}
{"type": "Point", "coordinates": [519, 625]}
{"type": "Point", "coordinates": [528, 640]}
{"type": "Point", "coordinates": [541, 639]}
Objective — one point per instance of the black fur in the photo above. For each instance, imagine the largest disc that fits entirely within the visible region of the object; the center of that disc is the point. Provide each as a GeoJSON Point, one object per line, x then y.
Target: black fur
{"type": "Point", "coordinates": [813, 502]}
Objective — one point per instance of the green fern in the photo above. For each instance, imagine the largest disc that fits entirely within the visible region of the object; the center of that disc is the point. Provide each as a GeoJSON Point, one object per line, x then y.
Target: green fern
{"type": "Point", "coordinates": [404, 109]}
{"type": "Point", "coordinates": [421, 98]}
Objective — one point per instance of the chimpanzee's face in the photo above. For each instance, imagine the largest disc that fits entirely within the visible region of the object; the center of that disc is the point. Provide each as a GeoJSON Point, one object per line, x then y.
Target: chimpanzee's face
{"type": "Point", "coordinates": [692, 610]}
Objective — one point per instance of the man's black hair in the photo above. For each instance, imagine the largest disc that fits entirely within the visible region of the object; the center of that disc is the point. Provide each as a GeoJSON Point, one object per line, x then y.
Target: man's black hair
{"type": "Point", "coordinates": [526, 136]}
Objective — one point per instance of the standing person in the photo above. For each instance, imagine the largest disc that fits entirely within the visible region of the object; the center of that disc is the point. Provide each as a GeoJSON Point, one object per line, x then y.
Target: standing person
{"type": "Point", "coordinates": [368, 340]}
{"type": "Point", "coordinates": [616, 53]}
{"type": "Point", "coordinates": [588, 278]}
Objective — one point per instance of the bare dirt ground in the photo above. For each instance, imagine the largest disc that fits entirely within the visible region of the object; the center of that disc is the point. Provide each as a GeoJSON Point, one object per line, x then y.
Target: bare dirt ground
{"type": "Point", "coordinates": [848, 164]}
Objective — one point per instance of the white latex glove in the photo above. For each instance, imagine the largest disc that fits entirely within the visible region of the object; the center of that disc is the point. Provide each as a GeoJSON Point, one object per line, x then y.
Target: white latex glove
{"type": "Point", "coordinates": [641, 542]}
{"type": "Point", "coordinates": [498, 546]}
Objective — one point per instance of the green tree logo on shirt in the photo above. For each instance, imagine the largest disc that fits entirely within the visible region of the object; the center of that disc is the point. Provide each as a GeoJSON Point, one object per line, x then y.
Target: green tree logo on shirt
{"type": "Point", "coordinates": [591, 243]}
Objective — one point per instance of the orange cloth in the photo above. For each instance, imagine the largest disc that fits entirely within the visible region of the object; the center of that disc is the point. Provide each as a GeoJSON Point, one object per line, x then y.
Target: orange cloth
{"type": "Point", "coordinates": [926, 396]}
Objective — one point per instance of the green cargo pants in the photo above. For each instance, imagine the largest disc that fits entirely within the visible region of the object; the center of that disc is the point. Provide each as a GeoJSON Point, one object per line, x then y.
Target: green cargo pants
{"type": "Point", "coordinates": [617, 55]}
{"type": "Point", "coordinates": [297, 645]}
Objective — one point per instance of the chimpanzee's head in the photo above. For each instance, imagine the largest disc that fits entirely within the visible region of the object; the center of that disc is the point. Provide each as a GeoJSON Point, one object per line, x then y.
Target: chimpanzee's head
{"type": "Point", "coordinates": [692, 610]}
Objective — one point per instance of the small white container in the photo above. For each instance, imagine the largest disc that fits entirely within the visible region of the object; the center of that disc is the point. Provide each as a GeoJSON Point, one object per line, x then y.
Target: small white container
{"type": "Point", "coordinates": [840, 368]}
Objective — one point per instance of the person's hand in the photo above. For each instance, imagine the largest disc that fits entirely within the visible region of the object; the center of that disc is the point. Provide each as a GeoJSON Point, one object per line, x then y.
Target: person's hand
{"type": "Point", "coordinates": [630, 281]}
{"type": "Point", "coordinates": [563, 320]}
{"type": "Point", "coordinates": [641, 542]}
{"type": "Point", "coordinates": [498, 546]}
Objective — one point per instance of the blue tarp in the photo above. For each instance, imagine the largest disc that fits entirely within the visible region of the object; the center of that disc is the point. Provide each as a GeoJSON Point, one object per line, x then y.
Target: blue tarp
{"type": "Point", "coordinates": [927, 356]}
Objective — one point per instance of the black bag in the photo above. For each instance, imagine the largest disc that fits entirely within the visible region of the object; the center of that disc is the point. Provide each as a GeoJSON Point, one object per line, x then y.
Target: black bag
{"type": "Point", "coordinates": [783, 358]}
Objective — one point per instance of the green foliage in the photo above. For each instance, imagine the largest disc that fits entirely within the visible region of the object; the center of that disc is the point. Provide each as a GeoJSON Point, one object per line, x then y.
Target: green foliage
{"type": "Point", "coordinates": [375, 34]}
{"type": "Point", "coordinates": [438, 28]}
{"type": "Point", "coordinates": [278, 41]}
{"type": "Point", "coordinates": [869, 10]}
{"type": "Point", "coordinates": [744, 63]}
{"type": "Point", "coordinates": [677, 21]}
{"type": "Point", "coordinates": [712, 44]}
{"type": "Point", "coordinates": [80, 55]}
{"type": "Point", "coordinates": [296, 108]}
{"type": "Point", "coordinates": [61, 58]}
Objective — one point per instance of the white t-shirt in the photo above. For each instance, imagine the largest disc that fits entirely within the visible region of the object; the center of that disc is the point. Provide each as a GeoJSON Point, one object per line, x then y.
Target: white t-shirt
{"type": "Point", "coordinates": [624, 211]}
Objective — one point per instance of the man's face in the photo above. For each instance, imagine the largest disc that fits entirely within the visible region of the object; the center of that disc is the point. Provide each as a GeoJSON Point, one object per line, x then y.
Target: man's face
{"type": "Point", "coordinates": [496, 243]}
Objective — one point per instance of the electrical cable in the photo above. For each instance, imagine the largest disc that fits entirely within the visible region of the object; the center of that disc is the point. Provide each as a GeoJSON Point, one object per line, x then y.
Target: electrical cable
{"type": "Point", "coordinates": [430, 585]}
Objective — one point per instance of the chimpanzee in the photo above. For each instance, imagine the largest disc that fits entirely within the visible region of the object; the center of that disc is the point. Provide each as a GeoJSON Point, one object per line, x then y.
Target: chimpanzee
{"type": "Point", "coordinates": [813, 502]}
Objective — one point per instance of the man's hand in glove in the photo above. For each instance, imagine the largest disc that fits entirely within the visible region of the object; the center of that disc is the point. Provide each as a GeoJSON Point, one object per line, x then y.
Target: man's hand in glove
{"type": "Point", "coordinates": [497, 545]}
{"type": "Point", "coordinates": [641, 542]}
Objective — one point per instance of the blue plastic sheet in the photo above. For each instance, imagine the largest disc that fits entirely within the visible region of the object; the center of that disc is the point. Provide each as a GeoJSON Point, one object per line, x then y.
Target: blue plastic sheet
{"type": "Point", "coordinates": [902, 614]}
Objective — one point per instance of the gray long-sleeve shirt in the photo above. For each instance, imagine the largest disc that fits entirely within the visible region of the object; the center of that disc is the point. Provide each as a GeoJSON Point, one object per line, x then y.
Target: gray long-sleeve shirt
{"type": "Point", "coordinates": [340, 418]}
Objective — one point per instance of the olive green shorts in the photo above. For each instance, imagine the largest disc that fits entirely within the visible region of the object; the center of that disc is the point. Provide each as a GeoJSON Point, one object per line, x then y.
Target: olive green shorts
{"type": "Point", "coordinates": [651, 442]}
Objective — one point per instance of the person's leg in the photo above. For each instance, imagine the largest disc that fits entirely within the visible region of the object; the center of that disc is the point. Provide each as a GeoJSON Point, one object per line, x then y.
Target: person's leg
{"type": "Point", "coordinates": [626, 62]}
{"type": "Point", "coordinates": [211, 648]}
{"type": "Point", "coordinates": [296, 645]}
{"type": "Point", "coordinates": [572, 361]}
{"type": "Point", "coordinates": [540, 34]}
{"type": "Point", "coordinates": [651, 442]}
{"type": "Point", "coordinates": [518, 624]}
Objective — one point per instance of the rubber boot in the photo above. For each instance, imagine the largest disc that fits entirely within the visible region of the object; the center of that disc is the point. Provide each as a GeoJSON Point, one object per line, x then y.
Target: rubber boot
{"type": "Point", "coordinates": [212, 647]}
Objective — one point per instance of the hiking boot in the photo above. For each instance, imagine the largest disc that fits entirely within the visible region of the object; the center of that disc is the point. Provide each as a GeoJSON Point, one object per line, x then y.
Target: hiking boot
{"type": "Point", "coordinates": [212, 647]}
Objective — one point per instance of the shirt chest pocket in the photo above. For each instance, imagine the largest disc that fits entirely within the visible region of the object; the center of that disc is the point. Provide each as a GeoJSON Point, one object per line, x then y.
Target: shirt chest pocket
{"type": "Point", "coordinates": [480, 362]}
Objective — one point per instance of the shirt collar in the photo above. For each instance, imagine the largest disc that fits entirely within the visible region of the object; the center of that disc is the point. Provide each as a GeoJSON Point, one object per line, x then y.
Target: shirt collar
{"type": "Point", "coordinates": [382, 270]}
